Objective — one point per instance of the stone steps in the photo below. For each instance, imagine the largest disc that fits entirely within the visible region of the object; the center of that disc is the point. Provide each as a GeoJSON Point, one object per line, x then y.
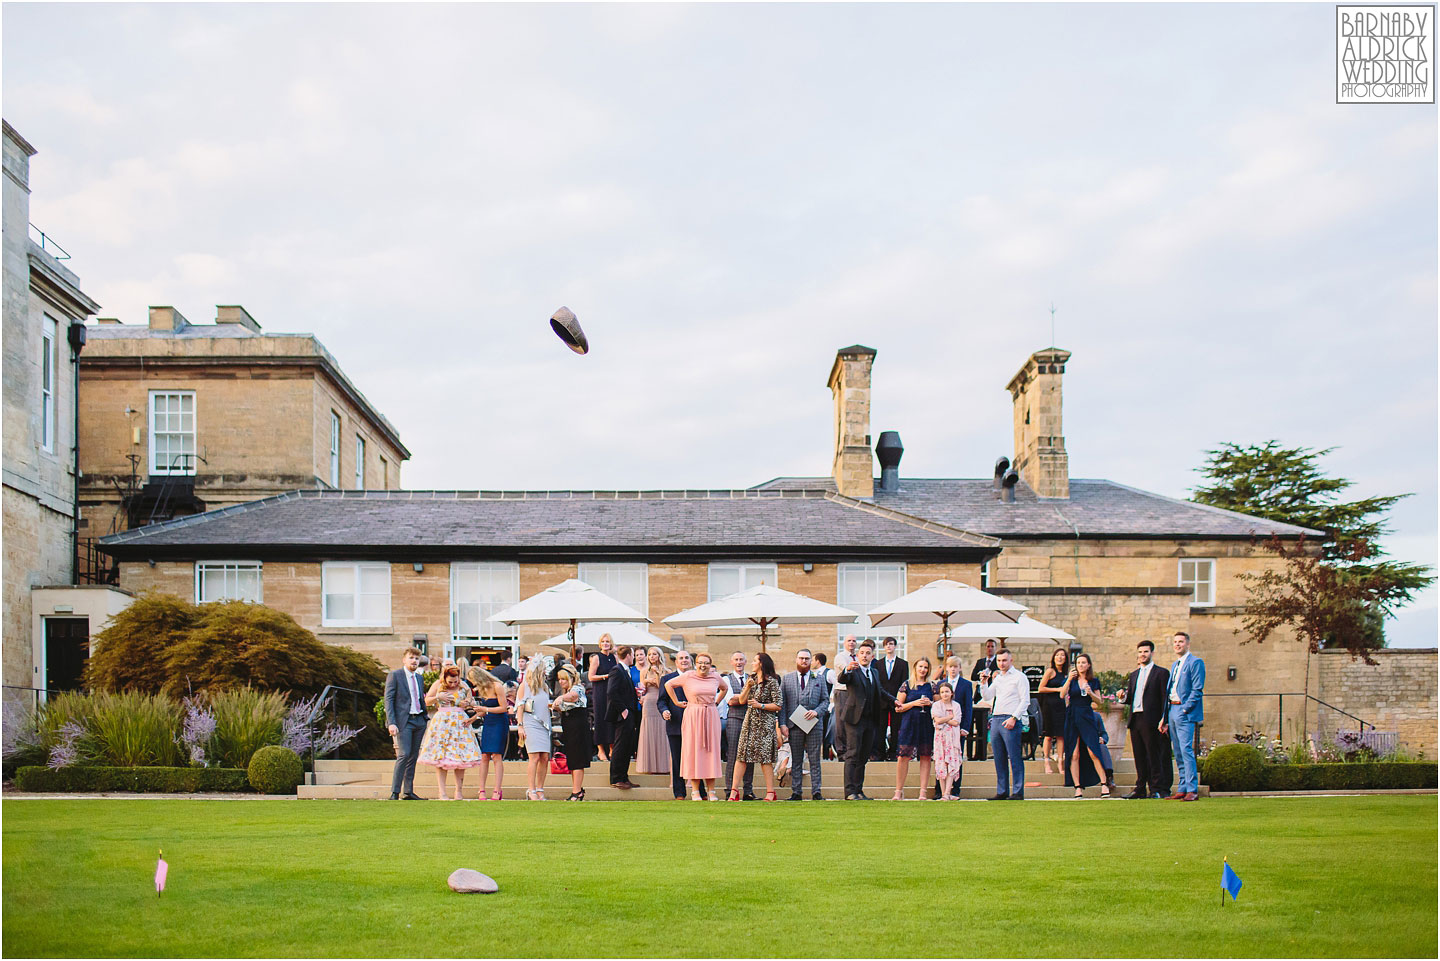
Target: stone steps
{"type": "Point", "coordinates": [371, 780]}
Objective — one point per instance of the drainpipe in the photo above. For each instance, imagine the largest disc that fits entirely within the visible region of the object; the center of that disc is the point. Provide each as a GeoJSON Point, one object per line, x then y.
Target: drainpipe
{"type": "Point", "coordinates": [76, 336]}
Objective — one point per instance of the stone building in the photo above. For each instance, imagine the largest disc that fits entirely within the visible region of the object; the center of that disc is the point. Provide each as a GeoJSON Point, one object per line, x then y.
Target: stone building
{"type": "Point", "coordinates": [1107, 562]}
{"type": "Point", "coordinates": [47, 621]}
{"type": "Point", "coordinates": [179, 418]}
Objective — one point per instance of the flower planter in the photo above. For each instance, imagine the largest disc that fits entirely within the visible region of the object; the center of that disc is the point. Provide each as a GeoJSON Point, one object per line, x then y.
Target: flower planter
{"type": "Point", "coordinates": [1116, 729]}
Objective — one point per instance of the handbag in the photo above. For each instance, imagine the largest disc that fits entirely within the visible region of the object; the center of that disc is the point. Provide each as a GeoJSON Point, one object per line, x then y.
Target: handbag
{"type": "Point", "coordinates": [558, 763]}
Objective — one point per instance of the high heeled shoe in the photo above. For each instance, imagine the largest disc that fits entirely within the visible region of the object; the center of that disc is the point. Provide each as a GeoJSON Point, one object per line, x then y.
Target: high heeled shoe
{"type": "Point", "coordinates": [899, 795]}
{"type": "Point", "coordinates": [495, 795]}
{"type": "Point", "coordinates": [770, 796]}
{"type": "Point", "coordinates": [734, 794]}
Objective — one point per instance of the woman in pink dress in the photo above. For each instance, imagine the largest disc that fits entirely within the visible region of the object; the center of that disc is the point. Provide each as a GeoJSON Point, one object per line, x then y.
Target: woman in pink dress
{"type": "Point", "coordinates": [699, 725]}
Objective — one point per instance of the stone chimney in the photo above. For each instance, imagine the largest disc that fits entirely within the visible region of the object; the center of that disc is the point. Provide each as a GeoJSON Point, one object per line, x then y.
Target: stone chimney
{"type": "Point", "coordinates": [850, 386]}
{"type": "Point", "coordinates": [236, 315]}
{"type": "Point", "coordinates": [1040, 456]}
{"type": "Point", "coordinates": [167, 318]}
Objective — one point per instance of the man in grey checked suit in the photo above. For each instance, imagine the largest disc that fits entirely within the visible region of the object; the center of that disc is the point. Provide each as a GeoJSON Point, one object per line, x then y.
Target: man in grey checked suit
{"type": "Point", "coordinates": [803, 689]}
{"type": "Point", "coordinates": [736, 680]}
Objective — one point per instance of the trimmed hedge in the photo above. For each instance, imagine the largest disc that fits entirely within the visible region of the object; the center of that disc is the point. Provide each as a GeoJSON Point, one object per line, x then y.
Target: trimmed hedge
{"type": "Point", "coordinates": [276, 770]}
{"type": "Point", "coordinates": [1370, 776]}
{"type": "Point", "coordinates": [1234, 767]}
{"type": "Point", "coordinates": [144, 780]}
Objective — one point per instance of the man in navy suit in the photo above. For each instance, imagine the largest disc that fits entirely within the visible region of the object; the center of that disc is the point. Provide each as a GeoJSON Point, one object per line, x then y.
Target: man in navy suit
{"type": "Point", "coordinates": [1186, 712]}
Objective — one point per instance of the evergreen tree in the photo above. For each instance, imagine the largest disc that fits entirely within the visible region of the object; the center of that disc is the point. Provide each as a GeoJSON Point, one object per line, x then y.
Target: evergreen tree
{"type": "Point", "coordinates": [1287, 484]}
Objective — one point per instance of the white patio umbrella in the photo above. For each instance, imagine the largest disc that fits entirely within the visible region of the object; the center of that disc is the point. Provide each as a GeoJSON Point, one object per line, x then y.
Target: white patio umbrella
{"type": "Point", "coordinates": [1025, 629]}
{"type": "Point", "coordinates": [571, 601]}
{"type": "Point", "coordinates": [587, 638]}
{"type": "Point", "coordinates": [762, 606]}
{"type": "Point", "coordinates": [943, 601]}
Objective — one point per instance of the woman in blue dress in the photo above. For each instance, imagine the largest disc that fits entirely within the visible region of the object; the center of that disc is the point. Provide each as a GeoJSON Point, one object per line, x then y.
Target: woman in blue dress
{"type": "Point", "coordinates": [1082, 729]}
{"type": "Point", "coordinates": [598, 673]}
{"type": "Point", "coordinates": [493, 712]}
{"type": "Point", "coordinates": [917, 727]}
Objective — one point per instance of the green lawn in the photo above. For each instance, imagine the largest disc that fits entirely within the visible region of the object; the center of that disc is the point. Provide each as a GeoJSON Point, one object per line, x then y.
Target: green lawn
{"type": "Point", "coordinates": [1340, 877]}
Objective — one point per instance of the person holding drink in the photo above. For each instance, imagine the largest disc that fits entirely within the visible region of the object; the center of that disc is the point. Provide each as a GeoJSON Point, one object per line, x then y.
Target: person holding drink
{"type": "Point", "coordinates": [982, 674]}
{"type": "Point", "coordinates": [913, 700]}
{"type": "Point", "coordinates": [759, 732]}
{"type": "Point", "coordinates": [1082, 729]}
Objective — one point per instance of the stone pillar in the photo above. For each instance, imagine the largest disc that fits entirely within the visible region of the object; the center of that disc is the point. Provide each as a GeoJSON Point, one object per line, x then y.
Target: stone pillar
{"type": "Point", "coordinates": [850, 386]}
{"type": "Point", "coordinates": [1040, 456]}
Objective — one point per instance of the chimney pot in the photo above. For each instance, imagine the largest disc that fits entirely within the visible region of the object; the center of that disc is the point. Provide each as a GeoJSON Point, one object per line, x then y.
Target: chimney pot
{"type": "Point", "coordinates": [888, 451]}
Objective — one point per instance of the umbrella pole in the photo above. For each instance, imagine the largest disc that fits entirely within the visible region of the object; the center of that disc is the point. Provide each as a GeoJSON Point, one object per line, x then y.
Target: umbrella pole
{"type": "Point", "coordinates": [572, 640]}
{"type": "Point", "coordinates": [762, 623]}
{"type": "Point", "coordinates": [944, 643]}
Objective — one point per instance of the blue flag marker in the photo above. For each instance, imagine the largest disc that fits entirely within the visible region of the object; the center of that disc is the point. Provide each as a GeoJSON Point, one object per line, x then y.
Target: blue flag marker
{"type": "Point", "coordinates": [1229, 881]}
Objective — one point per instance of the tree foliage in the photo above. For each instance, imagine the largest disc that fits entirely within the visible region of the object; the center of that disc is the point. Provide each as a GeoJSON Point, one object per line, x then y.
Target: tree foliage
{"type": "Point", "coordinates": [1342, 579]}
{"type": "Point", "coordinates": [163, 644]}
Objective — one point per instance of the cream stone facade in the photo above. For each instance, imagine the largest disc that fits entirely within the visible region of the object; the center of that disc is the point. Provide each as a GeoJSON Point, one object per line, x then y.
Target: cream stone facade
{"type": "Point", "coordinates": [44, 313]}
{"type": "Point", "coordinates": [264, 413]}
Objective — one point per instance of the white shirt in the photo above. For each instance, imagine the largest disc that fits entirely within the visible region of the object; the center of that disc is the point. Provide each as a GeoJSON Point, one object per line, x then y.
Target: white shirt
{"type": "Point", "coordinates": [1139, 706]}
{"type": "Point", "coordinates": [412, 684]}
{"type": "Point", "coordinates": [1010, 692]}
{"type": "Point", "coordinates": [842, 660]}
{"type": "Point", "coordinates": [1175, 675]}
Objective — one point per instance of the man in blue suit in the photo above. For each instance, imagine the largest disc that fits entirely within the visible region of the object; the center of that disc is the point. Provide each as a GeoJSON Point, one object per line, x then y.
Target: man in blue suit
{"type": "Point", "coordinates": [1186, 711]}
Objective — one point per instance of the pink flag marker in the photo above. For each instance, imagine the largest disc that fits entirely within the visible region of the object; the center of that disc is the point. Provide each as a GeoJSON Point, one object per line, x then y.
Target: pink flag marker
{"type": "Point", "coordinates": [161, 871]}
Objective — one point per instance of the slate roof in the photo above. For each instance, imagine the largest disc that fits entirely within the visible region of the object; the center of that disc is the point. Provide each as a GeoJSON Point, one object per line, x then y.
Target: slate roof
{"type": "Point", "coordinates": [1096, 508]}
{"type": "Point", "coordinates": [804, 524]}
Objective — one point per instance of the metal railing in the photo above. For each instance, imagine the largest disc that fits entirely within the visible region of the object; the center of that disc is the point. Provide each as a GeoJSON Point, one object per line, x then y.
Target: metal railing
{"type": "Point", "coordinates": [327, 710]}
{"type": "Point", "coordinates": [1269, 714]}
{"type": "Point", "coordinates": [92, 566]}
{"type": "Point", "coordinates": [48, 245]}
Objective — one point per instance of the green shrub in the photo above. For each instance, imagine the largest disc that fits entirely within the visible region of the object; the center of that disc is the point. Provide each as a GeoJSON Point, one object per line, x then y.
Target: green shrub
{"type": "Point", "coordinates": [150, 780]}
{"type": "Point", "coordinates": [161, 643]}
{"type": "Point", "coordinates": [1233, 767]}
{"type": "Point", "coordinates": [132, 730]}
{"type": "Point", "coordinates": [246, 720]}
{"type": "Point", "coordinates": [1370, 776]}
{"type": "Point", "coordinates": [275, 770]}
{"type": "Point", "coordinates": [132, 653]}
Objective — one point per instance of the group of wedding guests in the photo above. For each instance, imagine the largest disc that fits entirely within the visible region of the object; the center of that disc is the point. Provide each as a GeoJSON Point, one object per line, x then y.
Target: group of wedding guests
{"type": "Point", "coordinates": [701, 726]}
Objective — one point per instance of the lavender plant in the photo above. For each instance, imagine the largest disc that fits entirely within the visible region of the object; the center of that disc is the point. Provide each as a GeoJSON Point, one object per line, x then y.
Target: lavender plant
{"type": "Point", "coordinates": [196, 731]}
{"type": "Point", "coordinates": [300, 734]}
{"type": "Point", "coordinates": [65, 752]}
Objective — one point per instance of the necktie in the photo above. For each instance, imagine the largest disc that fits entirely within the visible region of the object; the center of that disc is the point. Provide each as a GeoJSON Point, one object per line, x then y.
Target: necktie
{"type": "Point", "coordinates": [414, 691]}
{"type": "Point", "coordinates": [802, 683]}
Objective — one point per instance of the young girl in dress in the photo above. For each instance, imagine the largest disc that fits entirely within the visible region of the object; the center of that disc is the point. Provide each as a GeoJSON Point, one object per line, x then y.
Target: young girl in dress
{"type": "Point", "coordinates": [449, 742]}
{"type": "Point", "coordinates": [949, 751]}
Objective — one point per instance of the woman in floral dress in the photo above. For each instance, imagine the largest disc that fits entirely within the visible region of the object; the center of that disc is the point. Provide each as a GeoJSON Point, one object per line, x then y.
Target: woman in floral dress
{"type": "Point", "coordinates": [449, 742]}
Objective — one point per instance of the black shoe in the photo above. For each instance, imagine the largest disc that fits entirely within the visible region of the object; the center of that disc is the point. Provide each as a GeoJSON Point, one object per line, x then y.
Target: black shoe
{"type": "Point", "coordinates": [817, 796]}
{"type": "Point", "coordinates": [1017, 797]}
{"type": "Point", "coordinates": [862, 796]}
{"type": "Point", "coordinates": [413, 797]}
{"type": "Point", "coordinates": [855, 797]}
{"type": "Point", "coordinates": [1157, 796]}
{"type": "Point", "coordinates": [394, 797]}
{"type": "Point", "coordinates": [750, 797]}
{"type": "Point", "coordinates": [794, 797]}
{"type": "Point", "coordinates": [999, 797]}
{"type": "Point", "coordinates": [1133, 795]}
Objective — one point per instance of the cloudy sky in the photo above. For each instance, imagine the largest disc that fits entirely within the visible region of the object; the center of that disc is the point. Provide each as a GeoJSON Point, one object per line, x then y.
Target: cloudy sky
{"type": "Point", "coordinates": [727, 194]}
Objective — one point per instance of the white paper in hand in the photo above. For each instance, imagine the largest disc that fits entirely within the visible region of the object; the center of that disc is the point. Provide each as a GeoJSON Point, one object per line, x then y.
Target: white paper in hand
{"type": "Point", "coordinates": [798, 719]}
